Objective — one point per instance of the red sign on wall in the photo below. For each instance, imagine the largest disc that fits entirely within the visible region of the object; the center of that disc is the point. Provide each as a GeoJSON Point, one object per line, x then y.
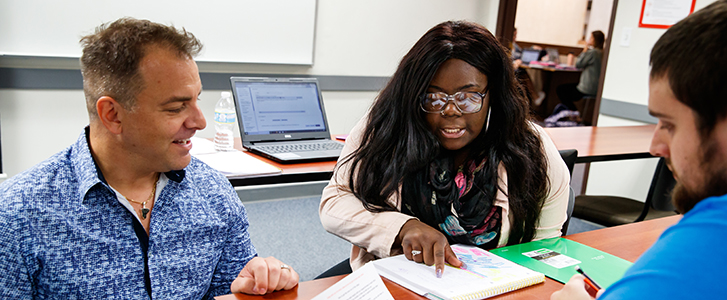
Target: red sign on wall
{"type": "Point", "coordinates": [664, 13]}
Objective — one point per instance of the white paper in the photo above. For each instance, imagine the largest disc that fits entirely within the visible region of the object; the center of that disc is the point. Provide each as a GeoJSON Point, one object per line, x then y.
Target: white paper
{"type": "Point", "coordinates": [364, 284]}
{"type": "Point", "coordinates": [201, 146]}
{"type": "Point", "coordinates": [665, 12]}
{"type": "Point", "coordinates": [417, 277]}
{"type": "Point", "coordinates": [552, 258]}
{"type": "Point", "coordinates": [233, 164]}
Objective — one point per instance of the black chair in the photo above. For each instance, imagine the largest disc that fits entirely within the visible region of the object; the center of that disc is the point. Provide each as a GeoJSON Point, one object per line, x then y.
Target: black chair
{"type": "Point", "coordinates": [585, 108]}
{"type": "Point", "coordinates": [342, 268]}
{"type": "Point", "coordinates": [569, 157]}
{"type": "Point", "coordinates": [614, 210]}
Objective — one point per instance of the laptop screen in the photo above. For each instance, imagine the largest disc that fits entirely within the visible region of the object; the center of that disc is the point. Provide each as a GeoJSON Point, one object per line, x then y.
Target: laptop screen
{"type": "Point", "coordinates": [530, 55]}
{"type": "Point", "coordinates": [279, 106]}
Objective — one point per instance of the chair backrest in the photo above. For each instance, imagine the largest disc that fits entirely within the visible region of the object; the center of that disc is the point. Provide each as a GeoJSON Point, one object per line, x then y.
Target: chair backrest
{"type": "Point", "coordinates": [589, 103]}
{"type": "Point", "coordinates": [569, 157]}
{"type": "Point", "coordinates": [659, 196]}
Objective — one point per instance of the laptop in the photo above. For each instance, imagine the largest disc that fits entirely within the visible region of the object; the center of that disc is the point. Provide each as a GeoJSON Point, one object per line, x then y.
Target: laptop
{"type": "Point", "coordinates": [283, 119]}
{"type": "Point", "coordinates": [553, 55]}
{"type": "Point", "coordinates": [530, 55]}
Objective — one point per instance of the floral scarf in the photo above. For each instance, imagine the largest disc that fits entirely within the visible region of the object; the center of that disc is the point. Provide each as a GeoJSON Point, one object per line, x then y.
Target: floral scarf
{"type": "Point", "coordinates": [460, 205]}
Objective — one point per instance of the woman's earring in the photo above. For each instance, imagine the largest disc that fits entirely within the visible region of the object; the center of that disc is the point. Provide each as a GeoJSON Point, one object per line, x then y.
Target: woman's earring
{"type": "Point", "coordinates": [489, 110]}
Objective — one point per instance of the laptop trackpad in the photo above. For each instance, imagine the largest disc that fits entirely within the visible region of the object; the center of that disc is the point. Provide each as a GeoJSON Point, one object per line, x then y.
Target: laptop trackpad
{"type": "Point", "coordinates": [288, 155]}
{"type": "Point", "coordinates": [309, 154]}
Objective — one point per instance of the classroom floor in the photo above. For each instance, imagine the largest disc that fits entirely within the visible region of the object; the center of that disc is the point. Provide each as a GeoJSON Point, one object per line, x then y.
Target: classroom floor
{"type": "Point", "coordinates": [291, 231]}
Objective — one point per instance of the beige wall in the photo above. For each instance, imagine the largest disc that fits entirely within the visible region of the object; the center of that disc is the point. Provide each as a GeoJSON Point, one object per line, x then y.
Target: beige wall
{"type": "Point", "coordinates": [558, 22]}
{"type": "Point", "coordinates": [600, 16]}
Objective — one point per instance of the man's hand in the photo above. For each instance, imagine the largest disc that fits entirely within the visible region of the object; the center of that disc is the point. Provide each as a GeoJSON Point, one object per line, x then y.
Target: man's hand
{"type": "Point", "coordinates": [428, 245]}
{"type": "Point", "coordinates": [575, 289]}
{"type": "Point", "coordinates": [264, 275]}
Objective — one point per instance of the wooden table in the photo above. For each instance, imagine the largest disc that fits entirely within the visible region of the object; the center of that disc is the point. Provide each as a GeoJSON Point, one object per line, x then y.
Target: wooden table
{"type": "Point", "coordinates": [593, 144]}
{"type": "Point", "coordinates": [550, 68]}
{"type": "Point", "coordinates": [298, 172]}
{"type": "Point", "coordinates": [604, 143]}
{"type": "Point", "coordinates": [551, 78]}
{"type": "Point", "coordinates": [625, 241]}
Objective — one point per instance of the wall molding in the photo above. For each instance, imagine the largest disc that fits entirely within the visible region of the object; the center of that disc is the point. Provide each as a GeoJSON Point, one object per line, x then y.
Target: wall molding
{"type": "Point", "coordinates": [64, 79]}
{"type": "Point", "coordinates": [626, 110]}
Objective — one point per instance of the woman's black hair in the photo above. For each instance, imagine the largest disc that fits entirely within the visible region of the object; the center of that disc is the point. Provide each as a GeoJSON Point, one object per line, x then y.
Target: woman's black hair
{"type": "Point", "coordinates": [397, 142]}
{"type": "Point", "coordinates": [598, 39]}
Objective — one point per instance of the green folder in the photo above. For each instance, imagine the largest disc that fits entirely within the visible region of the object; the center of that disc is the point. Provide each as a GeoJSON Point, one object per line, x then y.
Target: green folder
{"type": "Point", "coordinates": [557, 258]}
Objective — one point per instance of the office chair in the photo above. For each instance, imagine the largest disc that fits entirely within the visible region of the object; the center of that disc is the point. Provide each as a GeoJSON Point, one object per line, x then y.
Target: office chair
{"type": "Point", "coordinates": [585, 107]}
{"type": "Point", "coordinates": [614, 210]}
{"type": "Point", "coordinates": [569, 157]}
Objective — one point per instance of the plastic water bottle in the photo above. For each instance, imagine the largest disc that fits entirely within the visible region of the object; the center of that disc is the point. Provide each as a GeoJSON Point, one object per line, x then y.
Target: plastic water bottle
{"type": "Point", "coordinates": [224, 123]}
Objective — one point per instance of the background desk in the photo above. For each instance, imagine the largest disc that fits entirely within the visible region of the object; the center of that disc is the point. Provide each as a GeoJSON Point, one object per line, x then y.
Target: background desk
{"type": "Point", "coordinates": [550, 78]}
{"type": "Point", "coordinates": [593, 144]}
{"type": "Point", "coordinates": [626, 241]}
{"type": "Point", "coordinates": [604, 143]}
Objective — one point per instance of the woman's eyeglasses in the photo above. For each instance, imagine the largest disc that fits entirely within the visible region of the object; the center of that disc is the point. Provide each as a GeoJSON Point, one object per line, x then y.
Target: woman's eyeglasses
{"type": "Point", "coordinates": [466, 102]}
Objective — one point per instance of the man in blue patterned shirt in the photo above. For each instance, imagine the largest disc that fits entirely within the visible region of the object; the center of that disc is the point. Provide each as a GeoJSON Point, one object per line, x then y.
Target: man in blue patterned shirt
{"type": "Point", "coordinates": [126, 212]}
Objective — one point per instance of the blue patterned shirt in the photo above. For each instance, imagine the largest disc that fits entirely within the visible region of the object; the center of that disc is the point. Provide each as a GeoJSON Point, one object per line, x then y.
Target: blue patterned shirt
{"type": "Point", "coordinates": [64, 234]}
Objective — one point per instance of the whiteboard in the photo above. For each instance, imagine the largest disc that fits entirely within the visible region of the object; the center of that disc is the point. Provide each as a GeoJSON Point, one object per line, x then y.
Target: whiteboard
{"type": "Point", "coordinates": [247, 31]}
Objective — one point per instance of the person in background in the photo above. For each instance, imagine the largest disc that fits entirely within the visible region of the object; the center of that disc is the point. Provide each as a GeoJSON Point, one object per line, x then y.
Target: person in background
{"type": "Point", "coordinates": [590, 62]}
{"type": "Point", "coordinates": [688, 95]}
{"type": "Point", "coordinates": [125, 212]}
{"type": "Point", "coordinates": [515, 51]}
{"type": "Point", "coordinates": [530, 80]}
{"type": "Point", "coordinates": [446, 155]}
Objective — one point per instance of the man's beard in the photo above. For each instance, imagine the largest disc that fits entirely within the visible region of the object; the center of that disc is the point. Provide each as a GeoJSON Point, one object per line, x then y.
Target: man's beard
{"type": "Point", "coordinates": [684, 198]}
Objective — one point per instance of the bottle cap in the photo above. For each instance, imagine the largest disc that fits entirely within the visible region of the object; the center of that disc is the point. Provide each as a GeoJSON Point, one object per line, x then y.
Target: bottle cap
{"type": "Point", "coordinates": [226, 94]}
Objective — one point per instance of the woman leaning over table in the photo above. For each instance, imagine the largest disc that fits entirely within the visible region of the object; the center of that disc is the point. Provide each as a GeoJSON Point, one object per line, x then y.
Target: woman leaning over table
{"type": "Point", "coordinates": [446, 155]}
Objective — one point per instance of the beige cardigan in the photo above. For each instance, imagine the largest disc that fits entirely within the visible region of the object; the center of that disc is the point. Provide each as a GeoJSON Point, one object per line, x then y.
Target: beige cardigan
{"type": "Point", "coordinates": [373, 234]}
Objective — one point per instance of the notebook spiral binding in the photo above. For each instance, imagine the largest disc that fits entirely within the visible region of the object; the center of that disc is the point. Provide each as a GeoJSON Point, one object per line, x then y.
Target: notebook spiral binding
{"type": "Point", "coordinates": [501, 289]}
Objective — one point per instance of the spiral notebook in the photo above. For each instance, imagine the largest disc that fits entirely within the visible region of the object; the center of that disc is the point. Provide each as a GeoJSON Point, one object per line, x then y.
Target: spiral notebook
{"type": "Point", "coordinates": [486, 275]}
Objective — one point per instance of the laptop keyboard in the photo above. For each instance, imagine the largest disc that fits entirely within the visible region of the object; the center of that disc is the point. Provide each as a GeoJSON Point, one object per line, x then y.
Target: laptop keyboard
{"type": "Point", "coordinates": [322, 146]}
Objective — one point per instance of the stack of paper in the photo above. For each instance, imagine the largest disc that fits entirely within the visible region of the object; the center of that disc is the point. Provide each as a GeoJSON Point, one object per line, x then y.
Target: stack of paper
{"type": "Point", "coordinates": [233, 164]}
{"type": "Point", "coordinates": [364, 284]}
{"type": "Point", "coordinates": [486, 275]}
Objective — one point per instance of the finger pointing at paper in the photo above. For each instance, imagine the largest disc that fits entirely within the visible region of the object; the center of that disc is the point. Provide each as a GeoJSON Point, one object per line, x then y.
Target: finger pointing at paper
{"type": "Point", "coordinates": [424, 244]}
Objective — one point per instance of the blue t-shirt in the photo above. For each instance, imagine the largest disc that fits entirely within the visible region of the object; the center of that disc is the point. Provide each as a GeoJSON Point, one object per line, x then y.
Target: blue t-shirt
{"type": "Point", "coordinates": [688, 261]}
{"type": "Point", "coordinates": [64, 235]}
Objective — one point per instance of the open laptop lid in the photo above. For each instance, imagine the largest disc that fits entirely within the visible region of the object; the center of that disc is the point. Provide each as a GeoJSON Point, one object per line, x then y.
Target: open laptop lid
{"type": "Point", "coordinates": [553, 55]}
{"type": "Point", "coordinates": [530, 55]}
{"type": "Point", "coordinates": [279, 109]}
